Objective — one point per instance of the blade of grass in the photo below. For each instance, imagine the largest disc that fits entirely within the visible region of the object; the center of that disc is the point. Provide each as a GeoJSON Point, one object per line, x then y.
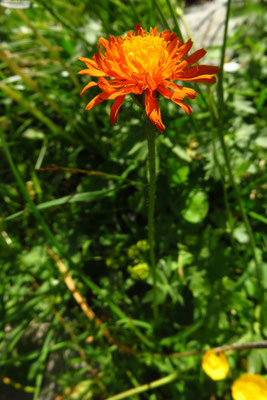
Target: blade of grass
{"type": "Point", "coordinates": [37, 113]}
{"type": "Point", "coordinates": [40, 364]}
{"type": "Point", "coordinates": [174, 17]}
{"type": "Point", "coordinates": [100, 174]}
{"type": "Point", "coordinates": [54, 53]}
{"type": "Point", "coordinates": [258, 217]}
{"type": "Point", "coordinates": [73, 198]}
{"type": "Point", "coordinates": [144, 388]}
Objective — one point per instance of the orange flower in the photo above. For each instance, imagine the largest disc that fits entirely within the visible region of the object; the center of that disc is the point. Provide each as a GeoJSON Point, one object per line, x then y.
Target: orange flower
{"type": "Point", "coordinates": [145, 62]}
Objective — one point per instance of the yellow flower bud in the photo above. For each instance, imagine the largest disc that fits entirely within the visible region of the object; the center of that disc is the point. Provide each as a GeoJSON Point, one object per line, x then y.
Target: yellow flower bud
{"type": "Point", "coordinates": [215, 365]}
{"type": "Point", "coordinates": [142, 245]}
{"type": "Point", "coordinates": [17, 385]}
{"type": "Point", "coordinates": [249, 387]}
{"type": "Point", "coordinates": [139, 271]}
{"type": "Point", "coordinates": [133, 252]}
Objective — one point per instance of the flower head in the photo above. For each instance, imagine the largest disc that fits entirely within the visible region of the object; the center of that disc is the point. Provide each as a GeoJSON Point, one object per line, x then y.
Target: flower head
{"type": "Point", "coordinates": [249, 387]}
{"type": "Point", "coordinates": [215, 365]}
{"type": "Point", "coordinates": [145, 62]}
{"type": "Point", "coordinates": [139, 271]}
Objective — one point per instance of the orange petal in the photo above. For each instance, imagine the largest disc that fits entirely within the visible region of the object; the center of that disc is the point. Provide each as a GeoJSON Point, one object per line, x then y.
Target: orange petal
{"type": "Point", "coordinates": [172, 96]}
{"type": "Point", "coordinates": [96, 100]}
{"type": "Point", "coordinates": [203, 79]}
{"type": "Point", "coordinates": [180, 67]}
{"type": "Point", "coordinates": [165, 92]}
{"type": "Point", "coordinates": [138, 30]}
{"type": "Point", "coordinates": [155, 30]}
{"type": "Point", "coordinates": [184, 106]}
{"type": "Point", "coordinates": [199, 70]}
{"type": "Point", "coordinates": [207, 69]}
{"type": "Point", "coordinates": [172, 46]}
{"type": "Point", "coordinates": [182, 91]}
{"type": "Point", "coordinates": [126, 90]}
{"type": "Point", "coordinates": [150, 81]}
{"type": "Point", "coordinates": [198, 73]}
{"type": "Point", "coordinates": [91, 72]}
{"type": "Point", "coordinates": [197, 55]}
{"type": "Point", "coordinates": [115, 109]}
{"type": "Point", "coordinates": [184, 49]}
{"type": "Point", "coordinates": [88, 86]}
{"type": "Point", "coordinates": [104, 42]}
{"type": "Point", "coordinates": [152, 110]}
{"type": "Point", "coordinates": [88, 62]}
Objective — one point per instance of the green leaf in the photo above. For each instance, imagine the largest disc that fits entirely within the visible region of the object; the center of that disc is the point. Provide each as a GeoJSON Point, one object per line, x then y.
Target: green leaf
{"type": "Point", "coordinates": [254, 362]}
{"type": "Point", "coordinates": [176, 149]}
{"type": "Point", "coordinates": [196, 208]}
{"type": "Point", "coordinates": [33, 134]}
{"type": "Point", "coordinates": [240, 234]}
{"type": "Point", "coordinates": [261, 141]}
{"type": "Point", "coordinates": [258, 217]}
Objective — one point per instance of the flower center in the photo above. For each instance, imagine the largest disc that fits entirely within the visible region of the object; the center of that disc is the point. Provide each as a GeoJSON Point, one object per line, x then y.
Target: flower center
{"type": "Point", "coordinates": [145, 53]}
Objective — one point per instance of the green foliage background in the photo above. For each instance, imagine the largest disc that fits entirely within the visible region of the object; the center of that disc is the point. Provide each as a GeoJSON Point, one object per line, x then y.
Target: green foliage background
{"type": "Point", "coordinates": [210, 292]}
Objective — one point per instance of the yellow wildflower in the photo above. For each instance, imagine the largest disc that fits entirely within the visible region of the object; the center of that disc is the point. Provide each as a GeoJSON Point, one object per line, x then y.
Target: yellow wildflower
{"type": "Point", "coordinates": [142, 245]}
{"type": "Point", "coordinates": [215, 365]}
{"type": "Point", "coordinates": [139, 271]}
{"type": "Point", "coordinates": [250, 387]}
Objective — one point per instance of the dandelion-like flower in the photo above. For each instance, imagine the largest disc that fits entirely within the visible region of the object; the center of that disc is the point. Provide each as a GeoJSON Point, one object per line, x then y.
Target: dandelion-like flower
{"type": "Point", "coordinates": [145, 62]}
{"type": "Point", "coordinates": [215, 365]}
{"type": "Point", "coordinates": [249, 387]}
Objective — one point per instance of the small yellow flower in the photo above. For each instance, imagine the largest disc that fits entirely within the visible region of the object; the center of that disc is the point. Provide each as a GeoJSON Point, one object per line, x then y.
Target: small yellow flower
{"type": "Point", "coordinates": [215, 365]}
{"type": "Point", "coordinates": [250, 387]}
{"type": "Point", "coordinates": [133, 252]}
{"type": "Point", "coordinates": [142, 245]}
{"type": "Point", "coordinates": [139, 271]}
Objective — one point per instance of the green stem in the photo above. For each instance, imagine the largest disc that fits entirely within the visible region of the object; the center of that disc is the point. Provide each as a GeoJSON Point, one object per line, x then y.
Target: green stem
{"type": "Point", "coordinates": [146, 387]}
{"type": "Point", "coordinates": [177, 28]}
{"type": "Point", "coordinates": [225, 150]}
{"type": "Point", "coordinates": [221, 72]}
{"type": "Point", "coordinates": [162, 16]}
{"type": "Point", "coordinates": [151, 206]}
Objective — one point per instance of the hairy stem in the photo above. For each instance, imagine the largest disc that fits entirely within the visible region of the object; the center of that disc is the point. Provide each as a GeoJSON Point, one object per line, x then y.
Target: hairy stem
{"type": "Point", "coordinates": [151, 206]}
